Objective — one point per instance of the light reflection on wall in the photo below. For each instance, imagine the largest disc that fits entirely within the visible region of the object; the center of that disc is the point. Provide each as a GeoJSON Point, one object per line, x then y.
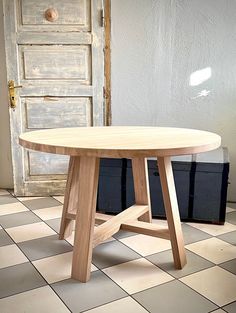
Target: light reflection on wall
{"type": "Point", "coordinates": [202, 93]}
{"type": "Point", "coordinates": [199, 77]}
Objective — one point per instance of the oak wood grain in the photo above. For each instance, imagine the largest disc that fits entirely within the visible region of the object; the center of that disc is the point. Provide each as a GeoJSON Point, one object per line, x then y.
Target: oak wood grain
{"type": "Point", "coordinates": [113, 225]}
{"type": "Point", "coordinates": [133, 226]}
{"type": "Point", "coordinates": [85, 198]}
{"type": "Point", "coordinates": [71, 198]}
{"type": "Point", "coordinates": [172, 211]}
{"type": "Point", "coordinates": [141, 186]}
{"type": "Point", "coordinates": [121, 141]}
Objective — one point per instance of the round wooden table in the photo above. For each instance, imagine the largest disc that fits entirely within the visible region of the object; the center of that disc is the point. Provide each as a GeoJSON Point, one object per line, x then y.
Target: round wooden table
{"type": "Point", "coordinates": [86, 145]}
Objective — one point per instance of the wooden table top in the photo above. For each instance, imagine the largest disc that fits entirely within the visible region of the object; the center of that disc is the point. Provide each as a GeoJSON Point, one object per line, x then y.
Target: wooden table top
{"type": "Point", "coordinates": [121, 141]}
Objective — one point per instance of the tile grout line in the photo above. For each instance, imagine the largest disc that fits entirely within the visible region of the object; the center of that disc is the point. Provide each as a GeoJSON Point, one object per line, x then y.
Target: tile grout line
{"type": "Point", "coordinates": [29, 261]}
{"type": "Point", "coordinates": [62, 280]}
{"type": "Point", "coordinates": [45, 221]}
{"type": "Point", "coordinates": [129, 295]}
{"type": "Point", "coordinates": [47, 284]}
{"type": "Point", "coordinates": [177, 279]}
{"type": "Point", "coordinates": [101, 270]}
{"type": "Point", "coordinates": [218, 307]}
{"type": "Point", "coordinates": [144, 257]}
{"type": "Point", "coordinates": [211, 261]}
{"type": "Point", "coordinates": [174, 278]}
{"type": "Point", "coordinates": [227, 305]}
{"type": "Point", "coordinates": [115, 301]}
{"type": "Point", "coordinates": [32, 211]}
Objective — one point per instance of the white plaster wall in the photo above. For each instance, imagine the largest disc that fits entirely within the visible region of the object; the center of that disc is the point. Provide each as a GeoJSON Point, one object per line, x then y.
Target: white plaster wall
{"type": "Point", "coordinates": [6, 176]}
{"type": "Point", "coordinates": [156, 46]}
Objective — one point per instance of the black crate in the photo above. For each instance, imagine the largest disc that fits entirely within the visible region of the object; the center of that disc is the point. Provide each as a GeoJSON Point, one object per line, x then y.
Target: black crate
{"type": "Point", "coordinates": [181, 170]}
{"type": "Point", "coordinates": [209, 185]}
{"type": "Point", "coordinates": [111, 187]}
{"type": "Point", "coordinates": [201, 186]}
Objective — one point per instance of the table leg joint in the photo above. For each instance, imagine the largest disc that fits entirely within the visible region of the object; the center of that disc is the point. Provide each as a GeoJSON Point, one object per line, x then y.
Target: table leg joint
{"type": "Point", "coordinates": [113, 225]}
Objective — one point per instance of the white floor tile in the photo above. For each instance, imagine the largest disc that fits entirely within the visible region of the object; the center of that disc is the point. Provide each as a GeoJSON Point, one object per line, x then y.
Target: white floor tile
{"type": "Point", "coordinates": [137, 275]}
{"type": "Point", "coordinates": [49, 213]}
{"type": "Point", "coordinates": [128, 305]}
{"type": "Point", "coordinates": [214, 230]}
{"type": "Point", "coordinates": [146, 245]}
{"type": "Point", "coordinates": [11, 208]}
{"type": "Point", "coordinates": [216, 284]}
{"type": "Point", "coordinates": [30, 232]}
{"type": "Point", "coordinates": [162, 223]}
{"type": "Point", "coordinates": [59, 198]}
{"type": "Point", "coordinates": [29, 198]}
{"type": "Point", "coordinates": [11, 255]}
{"type": "Point", "coordinates": [214, 250]}
{"type": "Point", "coordinates": [4, 192]}
{"type": "Point", "coordinates": [40, 300]}
{"type": "Point", "coordinates": [56, 268]}
{"type": "Point", "coordinates": [228, 210]}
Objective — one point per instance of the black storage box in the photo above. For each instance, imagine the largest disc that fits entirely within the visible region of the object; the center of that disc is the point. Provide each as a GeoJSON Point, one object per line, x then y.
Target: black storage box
{"type": "Point", "coordinates": [201, 185]}
{"type": "Point", "coordinates": [111, 187]}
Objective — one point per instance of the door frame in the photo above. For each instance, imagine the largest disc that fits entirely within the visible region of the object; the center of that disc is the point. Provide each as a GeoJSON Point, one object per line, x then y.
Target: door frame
{"type": "Point", "coordinates": [107, 62]}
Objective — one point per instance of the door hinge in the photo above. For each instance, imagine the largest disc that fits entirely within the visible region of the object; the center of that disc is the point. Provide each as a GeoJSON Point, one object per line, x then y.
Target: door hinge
{"type": "Point", "coordinates": [106, 93]}
{"type": "Point", "coordinates": [102, 17]}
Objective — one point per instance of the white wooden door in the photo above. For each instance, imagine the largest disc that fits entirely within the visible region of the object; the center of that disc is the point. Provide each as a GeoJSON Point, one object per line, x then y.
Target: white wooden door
{"type": "Point", "coordinates": [54, 50]}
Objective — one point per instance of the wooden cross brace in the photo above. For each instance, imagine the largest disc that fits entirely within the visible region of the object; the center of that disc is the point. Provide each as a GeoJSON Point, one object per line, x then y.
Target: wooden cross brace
{"type": "Point", "coordinates": [126, 220]}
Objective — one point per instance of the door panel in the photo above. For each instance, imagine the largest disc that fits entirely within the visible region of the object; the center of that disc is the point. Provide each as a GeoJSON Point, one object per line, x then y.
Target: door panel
{"type": "Point", "coordinates": [47, 164]}
{"type": "Point", "coordinates": [70, 13]}
{"type": "Point", "coordinates": [57, 112]}
{"type": "Point", "coordinates": [56, 62]}
{"type": "Point", "coordinates": [60, 65]}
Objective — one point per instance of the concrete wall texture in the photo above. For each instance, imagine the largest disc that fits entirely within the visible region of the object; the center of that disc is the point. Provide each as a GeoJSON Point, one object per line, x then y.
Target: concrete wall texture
{"type": "Point", "coordinates": [173, 64]}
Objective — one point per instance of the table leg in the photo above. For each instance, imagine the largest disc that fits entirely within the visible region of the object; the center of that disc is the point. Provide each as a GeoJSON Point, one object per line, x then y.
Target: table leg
{"type": "Point", "coordinates": [85, 218]}
{"type": "Point", "coordinates": [69, 205]}
{"type": "Point", "coordinates": [141, 186]}
{"type": "Point", "coordinates": [172, 211]}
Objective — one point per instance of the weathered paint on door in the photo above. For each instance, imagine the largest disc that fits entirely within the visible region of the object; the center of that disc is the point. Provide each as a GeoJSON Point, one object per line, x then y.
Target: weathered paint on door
{"type": "Point", "coordinates": [60, 65]}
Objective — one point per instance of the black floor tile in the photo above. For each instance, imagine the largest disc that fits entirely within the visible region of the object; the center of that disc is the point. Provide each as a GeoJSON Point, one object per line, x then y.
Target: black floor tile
{"type": "Point", "coordinates": [84, 296]}
{"type": "Point", "coordinates": [173, 297]}
{"type": "Point", "coordinates": [44, 247]}
{"type": "Point", "coordinates": [19, 278]}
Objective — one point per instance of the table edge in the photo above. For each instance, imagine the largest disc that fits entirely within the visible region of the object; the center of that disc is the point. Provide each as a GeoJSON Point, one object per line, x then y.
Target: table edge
{"type": "Point", "coordinates": [119, 153]}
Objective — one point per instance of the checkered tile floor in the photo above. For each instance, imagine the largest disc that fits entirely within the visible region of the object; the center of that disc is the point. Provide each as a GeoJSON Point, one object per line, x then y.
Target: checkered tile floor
{"type": "Point", "coordinates": [131, 273]}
